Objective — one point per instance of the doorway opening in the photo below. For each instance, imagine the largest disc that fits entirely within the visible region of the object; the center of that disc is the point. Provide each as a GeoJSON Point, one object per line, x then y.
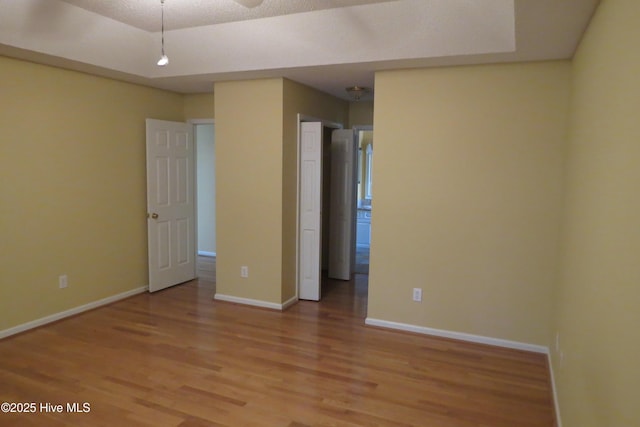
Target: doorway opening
{"type": "Point", "coordinates": [364, 135]}
{"type": "Point", "coordinates": [204, 136]}
{"type": "Point", "coordinates": [328, 177]}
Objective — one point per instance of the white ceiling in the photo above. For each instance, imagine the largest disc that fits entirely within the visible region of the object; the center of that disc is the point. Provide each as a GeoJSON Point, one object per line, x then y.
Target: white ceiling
{"type": "Point", "coordinates": [326, 44]}
{"type": "Point", "coordinates": [145, 14]}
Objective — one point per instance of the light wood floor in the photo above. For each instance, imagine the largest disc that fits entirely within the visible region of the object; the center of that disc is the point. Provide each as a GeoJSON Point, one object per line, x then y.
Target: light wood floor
{"type": "Point", "coordinates": [178, 358]}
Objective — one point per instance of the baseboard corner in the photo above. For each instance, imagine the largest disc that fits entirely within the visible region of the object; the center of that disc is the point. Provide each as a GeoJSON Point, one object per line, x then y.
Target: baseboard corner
{"type": "Point", "coordinates": [554, 391]}
{"type": "Point", "coordinates": [288, 303]}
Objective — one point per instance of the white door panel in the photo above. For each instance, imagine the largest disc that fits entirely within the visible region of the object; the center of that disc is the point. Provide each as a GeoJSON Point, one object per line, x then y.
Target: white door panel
{"type": "Point", "coordinates": [170, 203]}
{"type": "Point", "coordinates": [310, 210]}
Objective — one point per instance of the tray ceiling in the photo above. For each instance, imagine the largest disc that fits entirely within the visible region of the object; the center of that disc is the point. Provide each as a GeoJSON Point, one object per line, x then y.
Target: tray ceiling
{"type": "Point", "coordinates": [145, 14]}
{"type": "Point", "coordinates": [326, 44]}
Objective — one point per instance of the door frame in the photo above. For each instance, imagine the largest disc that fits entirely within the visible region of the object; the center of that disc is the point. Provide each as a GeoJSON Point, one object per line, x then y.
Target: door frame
{"type": "Point", "coordinates": [149, 123]}
{"type": "Point", "coordinates": [194, 123]}
{"type": "Point", "coordinates": [337, 270]}
{"type": "Point", "coordinates": [325, 123]}
{"type": "Point", "coordinates": [357, 129]}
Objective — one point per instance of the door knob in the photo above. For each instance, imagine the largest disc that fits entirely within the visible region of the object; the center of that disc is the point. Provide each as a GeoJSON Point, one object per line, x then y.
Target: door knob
{"type": "Point", "coordinates": [153, 215]}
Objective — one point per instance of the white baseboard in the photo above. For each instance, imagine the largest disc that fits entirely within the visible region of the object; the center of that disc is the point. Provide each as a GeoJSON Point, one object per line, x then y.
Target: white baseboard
{"type": "Point", "coordinates": [71, 312]}
{"type": "Point", "coordinates": [457, 335]}
{"type": "Point", "coordinates": [256, 302]}
{"type": "Point", "coordinates": [205, 253]}
{"type": "Point", "coordinates": [556, 402]}
{"type": "Point", "coordinates": [477, 339]}
{"type": "Point", "coordinates": [288, 303]}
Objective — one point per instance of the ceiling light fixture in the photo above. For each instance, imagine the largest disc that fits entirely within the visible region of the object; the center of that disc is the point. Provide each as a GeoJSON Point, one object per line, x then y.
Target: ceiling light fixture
{"type": "Point", "coordinates": [357, 92]}
{"type": "Point", "coordinates": [164, 59]}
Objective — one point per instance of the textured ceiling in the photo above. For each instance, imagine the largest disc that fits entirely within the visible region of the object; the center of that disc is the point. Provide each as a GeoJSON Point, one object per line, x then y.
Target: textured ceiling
{"type": "Point", "coordinates": [145, 14]}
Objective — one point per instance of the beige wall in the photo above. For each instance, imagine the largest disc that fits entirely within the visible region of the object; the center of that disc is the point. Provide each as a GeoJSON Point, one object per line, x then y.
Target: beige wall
{"type": "Point", "coordinates": [72, 187]}
{"type": "Point", "coordinates": [299, 99]}
{"type": "Point", "coordinates": [249, 153]}
{"type": "Point", "coordinates": [256, 154]}
{"type": "Point", "coordinates": [468, 197]}
{"type": "Point", "coordinates": [199, 106]}
{"type": "Point", "coordinates": [360, 113]}
{"type": "Point", "coordinates": [597, 310]}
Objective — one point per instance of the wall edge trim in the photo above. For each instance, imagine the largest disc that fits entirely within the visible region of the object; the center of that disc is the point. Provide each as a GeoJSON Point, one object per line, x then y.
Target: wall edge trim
{"type": "Point", "coordinates": [207, 254]}
{"type": "Point", "coordinates": [554, 390]}
{"type": "Point", "coordinates": [288, 303]}
{"type": "Point", "coordinates": [71, 312]}
{"type": "Point", "coordinates": [479, 339]}
{"type": "Point", "coordinates": [249, 301]}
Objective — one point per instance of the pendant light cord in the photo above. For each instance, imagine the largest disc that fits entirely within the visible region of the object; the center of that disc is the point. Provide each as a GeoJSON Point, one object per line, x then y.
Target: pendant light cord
{"type": "Point", "coordinates": [162, 7]}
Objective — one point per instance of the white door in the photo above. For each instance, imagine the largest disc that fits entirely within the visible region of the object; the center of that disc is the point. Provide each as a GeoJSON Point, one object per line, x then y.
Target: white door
{"type": "Point", "coordinates": [343, 203]}
{"type": "Point", "coordinates": [170, 203]}
{"type": "Point", "coordinates": [310, 210]}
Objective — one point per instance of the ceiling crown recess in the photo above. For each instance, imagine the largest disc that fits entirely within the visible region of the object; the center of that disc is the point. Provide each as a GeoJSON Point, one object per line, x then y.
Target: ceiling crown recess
{"type": "Point", "coordinates": [328, 48]}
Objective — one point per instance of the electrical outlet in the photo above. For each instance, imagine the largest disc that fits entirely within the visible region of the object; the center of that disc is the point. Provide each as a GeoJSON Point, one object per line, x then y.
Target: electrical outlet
{"type": "Point", "coordinates": [244, 271]}
{"type": "Point", "coordinates": [417, 294]}
{"type": "Point", "coordinates": [63, 281]}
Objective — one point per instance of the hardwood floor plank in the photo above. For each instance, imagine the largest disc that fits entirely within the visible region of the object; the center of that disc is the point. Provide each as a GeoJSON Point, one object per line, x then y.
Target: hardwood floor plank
{"type": "Point", "coordinates": [179, 358]}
